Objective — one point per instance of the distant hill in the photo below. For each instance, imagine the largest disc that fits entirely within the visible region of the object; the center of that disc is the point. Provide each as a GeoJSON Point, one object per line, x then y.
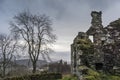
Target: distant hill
{"type": "Point", "coordinates": [28, 63]}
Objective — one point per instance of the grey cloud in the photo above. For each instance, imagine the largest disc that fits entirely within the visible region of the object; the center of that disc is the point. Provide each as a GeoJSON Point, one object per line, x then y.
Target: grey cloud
{"type": "Point", "coordinates": [1, 1]}
{"type": "Point", "coordinates": [1, 4]}
{"type": "Point", "coordinates": [101, 4]}
{"type": "Point", "coordinates": [62, 7]}
{"type": "Point", "coordinates": [70, 16]}
{"type": "Point", "coordinates": [57, 6]}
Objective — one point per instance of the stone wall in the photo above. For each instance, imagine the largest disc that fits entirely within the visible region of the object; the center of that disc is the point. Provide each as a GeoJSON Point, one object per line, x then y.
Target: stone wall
{"type": "Point", "coordinates": [106, 41]}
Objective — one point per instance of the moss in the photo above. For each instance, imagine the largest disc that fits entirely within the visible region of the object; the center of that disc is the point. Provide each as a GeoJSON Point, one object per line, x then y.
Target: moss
{"type": "Point", "coordinates": [93, 73]}
{"type": "Point", "coordinates": [82, 67]}
{"type": "Point", "coordinates": [115, 78]}
{"type": "Point", "coordinates": [69, 77]}
{"type": "Point", "coordinates": [109, 77]}
{"type": "Point", "coordinates": [89, 78]}
{"type": "Point", "coordinates": [86, 46]}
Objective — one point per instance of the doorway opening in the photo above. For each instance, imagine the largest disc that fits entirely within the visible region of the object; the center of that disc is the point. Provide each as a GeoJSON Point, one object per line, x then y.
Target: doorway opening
{"type": "Point", "coordinates": [98, 66]}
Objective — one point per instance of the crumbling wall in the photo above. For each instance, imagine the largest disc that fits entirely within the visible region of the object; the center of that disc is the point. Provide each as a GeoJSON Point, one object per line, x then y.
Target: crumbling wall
{"type": "Point", "coordinates": [106, 42]}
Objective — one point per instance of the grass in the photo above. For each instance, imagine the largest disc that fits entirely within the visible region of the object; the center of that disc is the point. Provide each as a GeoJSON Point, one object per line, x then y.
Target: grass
{"type": "Point", "coordinates": [92, 75]}
{"type": "Point", "coordinates": [69, 77]}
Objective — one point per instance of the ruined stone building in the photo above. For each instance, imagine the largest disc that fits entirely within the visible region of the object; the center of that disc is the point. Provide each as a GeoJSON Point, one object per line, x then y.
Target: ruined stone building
{"type": "Point", "coordinates": [106, 45]}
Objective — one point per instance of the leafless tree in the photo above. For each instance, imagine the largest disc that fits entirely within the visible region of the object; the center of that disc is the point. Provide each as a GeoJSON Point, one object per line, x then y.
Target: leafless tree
{"type": "Point", "coordinates": [7, 48]}
{"type": "Point", "coordinates": [37, 33]}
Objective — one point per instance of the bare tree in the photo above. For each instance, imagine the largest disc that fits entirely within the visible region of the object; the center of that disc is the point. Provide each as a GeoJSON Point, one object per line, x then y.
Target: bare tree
{"type": "Point", "coordinates": [36, 31]}
{"type": "Point", "coordinates": [7, 48]}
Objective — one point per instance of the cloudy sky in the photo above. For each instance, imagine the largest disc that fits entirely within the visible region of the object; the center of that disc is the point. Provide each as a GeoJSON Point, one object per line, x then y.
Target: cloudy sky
{"type": "Point", "coordinates": [68, 17]}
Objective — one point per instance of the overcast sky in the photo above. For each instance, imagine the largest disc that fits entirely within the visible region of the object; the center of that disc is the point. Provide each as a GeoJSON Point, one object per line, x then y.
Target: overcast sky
{"type": "Point", "coordinates": [68, 17]}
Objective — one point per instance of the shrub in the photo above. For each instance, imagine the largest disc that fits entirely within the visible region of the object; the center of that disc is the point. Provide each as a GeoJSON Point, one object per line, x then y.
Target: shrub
{"type": "Point", "coordinates": [44, 76]}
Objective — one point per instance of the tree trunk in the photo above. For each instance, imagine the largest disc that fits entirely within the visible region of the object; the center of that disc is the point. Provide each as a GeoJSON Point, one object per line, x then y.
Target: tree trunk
{"type": "Point", "coordinates": [4, 64]}
{"type": "Point", "coordinates": [4, 69]}
{"type": "Point", "coordinates": [34, 67]}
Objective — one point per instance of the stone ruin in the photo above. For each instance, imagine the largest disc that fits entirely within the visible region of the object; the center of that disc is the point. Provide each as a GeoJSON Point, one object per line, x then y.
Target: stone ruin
{"type": "Point", "coordinates": [106, 45]}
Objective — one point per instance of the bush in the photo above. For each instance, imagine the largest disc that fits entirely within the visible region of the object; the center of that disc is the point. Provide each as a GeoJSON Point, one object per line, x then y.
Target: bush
{"type": "Point", "coordinates": [44, 76]}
